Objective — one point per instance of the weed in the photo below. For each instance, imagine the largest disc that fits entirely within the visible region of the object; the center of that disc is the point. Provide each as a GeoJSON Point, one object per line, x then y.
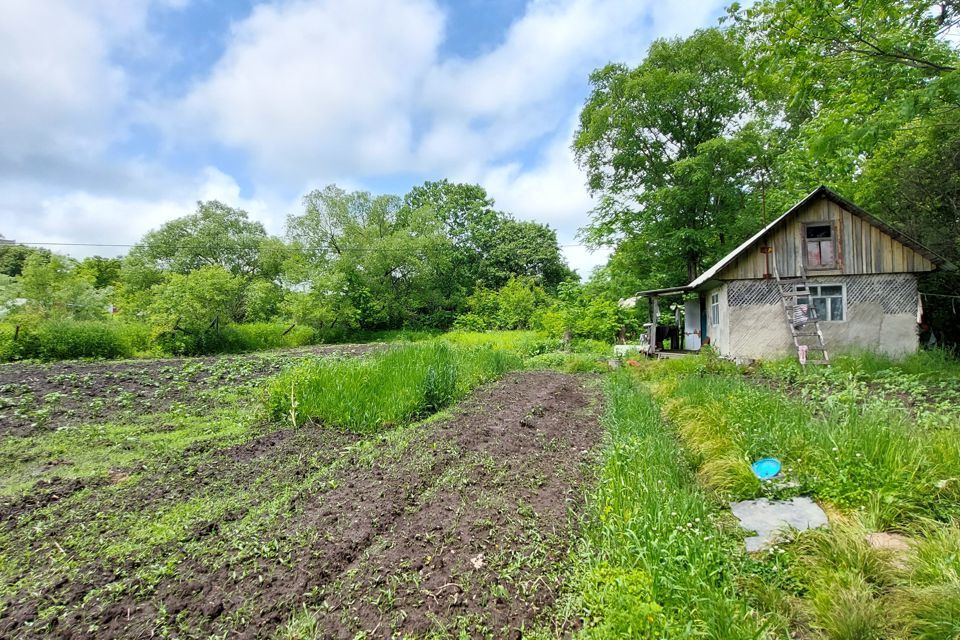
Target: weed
{"type": "Point", "coordinates": [388, 389]}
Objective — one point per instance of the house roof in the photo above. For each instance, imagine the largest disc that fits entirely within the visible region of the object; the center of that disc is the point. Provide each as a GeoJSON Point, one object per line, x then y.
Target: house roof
{"type": "Point", "coordinates": [819, 192]}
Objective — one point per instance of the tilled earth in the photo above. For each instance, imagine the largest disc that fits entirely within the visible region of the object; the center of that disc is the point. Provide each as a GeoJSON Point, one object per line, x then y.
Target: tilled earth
{"type": "Point", "coordinates": [47, 396]}
{"type": "Point", "coordinates": [455, 527]}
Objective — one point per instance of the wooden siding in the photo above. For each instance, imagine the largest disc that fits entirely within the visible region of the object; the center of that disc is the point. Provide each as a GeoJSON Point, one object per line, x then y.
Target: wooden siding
{"type": "Point", "coordinates": [862, 248]}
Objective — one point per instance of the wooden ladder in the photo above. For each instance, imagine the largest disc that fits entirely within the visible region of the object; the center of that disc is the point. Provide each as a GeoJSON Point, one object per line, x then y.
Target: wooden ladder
{"type": "Point", "coordinates": [805, 334]}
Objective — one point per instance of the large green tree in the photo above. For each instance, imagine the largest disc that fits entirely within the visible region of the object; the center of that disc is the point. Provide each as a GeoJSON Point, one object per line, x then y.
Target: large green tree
{"type": "Point", "coordinates": [490, 246]}
{"type": "Point", "coordinates": [216, 235]}
{"type": "Point", "coordinates": [393, 263]}
{"type": "Point", "coordinates": [661, 148]}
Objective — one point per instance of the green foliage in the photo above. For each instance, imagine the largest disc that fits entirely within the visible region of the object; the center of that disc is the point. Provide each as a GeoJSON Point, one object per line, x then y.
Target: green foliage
{"type": "Point", "coordinates": [215, 236]}
{"type": "Point", "coordinates": [193, 302]}
{"type": "Point", "coordinates": [569, 362]}
{"type": "Point", "coordinates": [853, 449]}
{"type": "Point", "coordinates": [618, 603]}
{"type": "Point", "coordinates": [653, 533]}
{"type": "Point", "coordinates": [100, 272]}
{"type": "Point", "coordinates": [521, 343]}
{"type": "Point", "coordinates": [261, 301]}
{"type": "Point", "coordinates": [54, 289]}
{"type": "Point", "coordinates": [512, 307]}
{"type": "Point", "coordinates": [64, 340]}
{"type": "Point", "coordinates": [13, 257]}
{"type": "Point", "coordinates": [659, 145]}
{"type": "Point", "coordinates": [385, 390]}
{"type": "Point", "coordinates": [489, 246]}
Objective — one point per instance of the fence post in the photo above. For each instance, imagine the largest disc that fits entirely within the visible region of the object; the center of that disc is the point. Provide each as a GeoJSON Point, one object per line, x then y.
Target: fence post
{"type": "Point", "coordinates": [16, 332]}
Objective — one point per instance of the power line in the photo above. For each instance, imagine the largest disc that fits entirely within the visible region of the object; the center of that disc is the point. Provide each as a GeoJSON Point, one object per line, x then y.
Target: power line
{"type": "Point", "coordinates": [128, 246]}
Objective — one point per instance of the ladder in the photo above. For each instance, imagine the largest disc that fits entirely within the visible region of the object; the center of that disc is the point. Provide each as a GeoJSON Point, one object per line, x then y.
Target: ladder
{"type": "Point", "coordinates": [807, 337]}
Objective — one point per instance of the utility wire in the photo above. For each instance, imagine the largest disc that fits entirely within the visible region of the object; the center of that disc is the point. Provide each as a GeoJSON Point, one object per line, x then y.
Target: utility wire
{"type": "Point", "coordinates": [183, 246]}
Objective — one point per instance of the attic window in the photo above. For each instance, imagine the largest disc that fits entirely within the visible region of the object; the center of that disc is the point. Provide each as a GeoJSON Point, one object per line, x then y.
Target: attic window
{"type": "Point", "coordinates": [821, 246]}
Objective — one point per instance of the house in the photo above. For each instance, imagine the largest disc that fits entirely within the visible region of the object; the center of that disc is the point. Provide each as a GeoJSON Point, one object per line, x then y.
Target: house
{"type": "Point", "coordinates": [825, 275]}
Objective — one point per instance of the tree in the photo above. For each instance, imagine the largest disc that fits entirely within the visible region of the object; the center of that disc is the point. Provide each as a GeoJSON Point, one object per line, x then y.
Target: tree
{"type": "Point", "coordinates": [261, 301]}
{"type": "Point", "coordinates": [490, 246]}
{"type": "Point", "coordinates": [100, 272]}
{"type": "Point", "coordinates": [658, 143]}
{"type": "Point", "coordinates": [849, 74]}
{"type": "Point", "coordinates": [53, 289]}
{"type": "Point", "coordinates": [13, 256]}
{"type": "Point", "coordinates": [193, 301]}
{"type": "Point", "coordinates": [524, 249]}
{"type": "Point", "coordinates": [394, 264]}
{"type": "Point", "coordinates": [216, 235]}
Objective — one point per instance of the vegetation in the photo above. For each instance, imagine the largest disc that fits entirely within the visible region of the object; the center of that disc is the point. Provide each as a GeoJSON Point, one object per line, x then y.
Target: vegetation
{"type": "Point", "coordinates": [658, 558]}
{"type": "Point", "coordinates": [872, 439]}
{"type": "Point", "coordinates": [392, 388]}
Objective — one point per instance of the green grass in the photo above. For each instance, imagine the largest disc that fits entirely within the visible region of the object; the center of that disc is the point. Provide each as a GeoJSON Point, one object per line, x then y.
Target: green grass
{"type": "Point", "coordinates": [522, 343]}
{"type": "Point", "coordinates": [658, 558]}
{"type": "Point", "coordinates": [395, 387]}
{"type": "Point", "coordinates": [872, 439]}
{"type": "Point", "coordinates": [853, 454]}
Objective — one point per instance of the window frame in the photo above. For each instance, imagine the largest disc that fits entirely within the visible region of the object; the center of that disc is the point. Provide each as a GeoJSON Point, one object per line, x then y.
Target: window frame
{"type": "Point", "coordinates": [833, 238]}
{"type": "Point", "coordinates": [829, 305]}
{"type": "Point", "coordinates": [715, 309]}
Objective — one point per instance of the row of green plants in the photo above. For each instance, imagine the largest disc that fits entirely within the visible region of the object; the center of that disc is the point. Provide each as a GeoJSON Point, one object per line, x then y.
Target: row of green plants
{"type": "Point", "coordinates": [865, 456]}
{"type": "Point", "coordinates": [405, 383]}
{"type": "Point", "coordinates": [658, 556]}
{"type": "Point", "coordinates": [73, 339]}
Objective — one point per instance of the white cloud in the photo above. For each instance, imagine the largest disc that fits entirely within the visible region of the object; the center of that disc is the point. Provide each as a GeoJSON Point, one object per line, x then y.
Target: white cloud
{"type": "Point", "coordinates": [551, 191]}
{"type": "Point", "coordinates": [359, 88]}
{"type": "Point", "coordinates": [85, 217]}
{"type": "Point", "coordinates": [59, 87]}
{"type": "Point", "coordinates": [326, 86]}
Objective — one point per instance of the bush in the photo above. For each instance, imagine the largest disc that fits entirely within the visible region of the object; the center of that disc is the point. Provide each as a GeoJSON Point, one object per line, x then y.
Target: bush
{"type": "Point", "coordinates": [234, 338]}
{"type": "Point", "coordinates": [388, 389]}
{"type": "Point", "coordinates": [64, 340]}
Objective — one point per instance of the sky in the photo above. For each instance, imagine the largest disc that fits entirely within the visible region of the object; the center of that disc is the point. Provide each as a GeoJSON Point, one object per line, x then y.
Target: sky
{"type": "Point", "coordinates": [118, 115]}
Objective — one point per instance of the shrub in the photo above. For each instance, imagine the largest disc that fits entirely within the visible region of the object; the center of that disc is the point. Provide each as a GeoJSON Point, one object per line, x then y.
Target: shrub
{"type": "Point", "coordinates": [63, 340]}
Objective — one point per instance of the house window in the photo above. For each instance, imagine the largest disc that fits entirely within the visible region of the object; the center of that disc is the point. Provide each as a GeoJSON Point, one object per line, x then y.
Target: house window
{"type": "Point", "coordinates": [828, 302]}
{"type": "Point", "coordinates": [821, 246]}
{"type": "Point", "coordinates": [715, 309]}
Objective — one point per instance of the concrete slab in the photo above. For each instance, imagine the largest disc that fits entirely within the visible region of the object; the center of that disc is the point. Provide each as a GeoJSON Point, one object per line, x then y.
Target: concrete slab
{"type": "Point", "coordinates": [768, 517]}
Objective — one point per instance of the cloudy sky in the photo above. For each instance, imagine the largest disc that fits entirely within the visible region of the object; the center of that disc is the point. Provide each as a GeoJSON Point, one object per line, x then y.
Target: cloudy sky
{"type": "Point", "coordinates": [116, 115]}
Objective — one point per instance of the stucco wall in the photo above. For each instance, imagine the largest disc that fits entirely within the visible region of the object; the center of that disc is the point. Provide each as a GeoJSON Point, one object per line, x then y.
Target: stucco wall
{"type": "Point", "coordinates": [881, 315]}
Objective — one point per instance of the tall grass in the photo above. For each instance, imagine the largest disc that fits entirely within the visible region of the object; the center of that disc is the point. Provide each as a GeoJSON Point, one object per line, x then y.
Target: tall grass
{"type": "Point", "coordinates": [385, 390]}
{"type": "Point", "coordinates": [868, 457]}
{"type": "Point", "coordinates": [849, 446]}
{"type": "Point", "coordinates": [657, 559]}
{"type": "Point", "coordinates": [522, 343]}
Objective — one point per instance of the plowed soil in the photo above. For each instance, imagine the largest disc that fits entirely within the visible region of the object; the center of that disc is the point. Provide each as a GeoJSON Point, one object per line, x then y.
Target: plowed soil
{"type": "Point", "coordinates": [458, 526]}
{"type": "Point", "coordinates": [49, 396]}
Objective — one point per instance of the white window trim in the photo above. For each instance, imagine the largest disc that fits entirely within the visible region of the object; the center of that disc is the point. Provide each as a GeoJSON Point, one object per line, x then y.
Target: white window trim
{"type": "Point", "coordinates": [715, 309]}
{"type": "Point", "coordinates": [843, 299]}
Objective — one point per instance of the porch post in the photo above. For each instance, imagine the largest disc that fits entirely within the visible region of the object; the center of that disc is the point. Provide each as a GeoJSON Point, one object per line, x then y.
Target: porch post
{"type": "Point", "coordinates": [652, 329]}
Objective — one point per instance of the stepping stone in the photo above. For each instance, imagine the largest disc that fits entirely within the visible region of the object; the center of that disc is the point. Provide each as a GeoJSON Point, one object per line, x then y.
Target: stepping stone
{"type": "Point", "coordinates": [768, 517]}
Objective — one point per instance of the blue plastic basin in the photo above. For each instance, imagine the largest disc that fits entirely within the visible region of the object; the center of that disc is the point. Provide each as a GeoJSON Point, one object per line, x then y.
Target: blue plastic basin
{"type": "Point", "coordinates": [766, 468]}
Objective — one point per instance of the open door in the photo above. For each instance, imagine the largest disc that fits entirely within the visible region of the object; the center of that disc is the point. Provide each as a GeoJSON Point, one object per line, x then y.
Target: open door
{"type": "Point", "coordinates": [691, 324]}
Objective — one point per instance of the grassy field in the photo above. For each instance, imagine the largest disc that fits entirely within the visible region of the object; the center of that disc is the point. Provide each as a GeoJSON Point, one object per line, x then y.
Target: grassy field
{"type": "Point", "coordinates": [474, 485]}
{"type": "Point", "coordinates": [876, 442]}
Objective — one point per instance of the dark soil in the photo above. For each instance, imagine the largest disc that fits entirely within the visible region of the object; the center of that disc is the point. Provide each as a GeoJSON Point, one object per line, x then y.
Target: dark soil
{"type": "Point", "coordinates": [49, 396]}
{"type": "Point", "coordinates": [459, 526]}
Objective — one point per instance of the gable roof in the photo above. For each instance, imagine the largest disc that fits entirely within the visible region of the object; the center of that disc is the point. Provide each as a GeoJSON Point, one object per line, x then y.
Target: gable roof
{"type": "Point", "coordinates": [816, 194]}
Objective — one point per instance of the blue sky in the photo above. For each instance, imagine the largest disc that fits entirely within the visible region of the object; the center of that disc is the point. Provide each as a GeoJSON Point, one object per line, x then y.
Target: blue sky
{"type": "Point", "coordinates": [120, 114]}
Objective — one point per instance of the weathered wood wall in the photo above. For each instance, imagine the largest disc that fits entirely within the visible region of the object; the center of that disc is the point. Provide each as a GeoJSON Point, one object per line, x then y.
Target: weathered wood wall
{"type": "Point", "coordinates": [862, 247]}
